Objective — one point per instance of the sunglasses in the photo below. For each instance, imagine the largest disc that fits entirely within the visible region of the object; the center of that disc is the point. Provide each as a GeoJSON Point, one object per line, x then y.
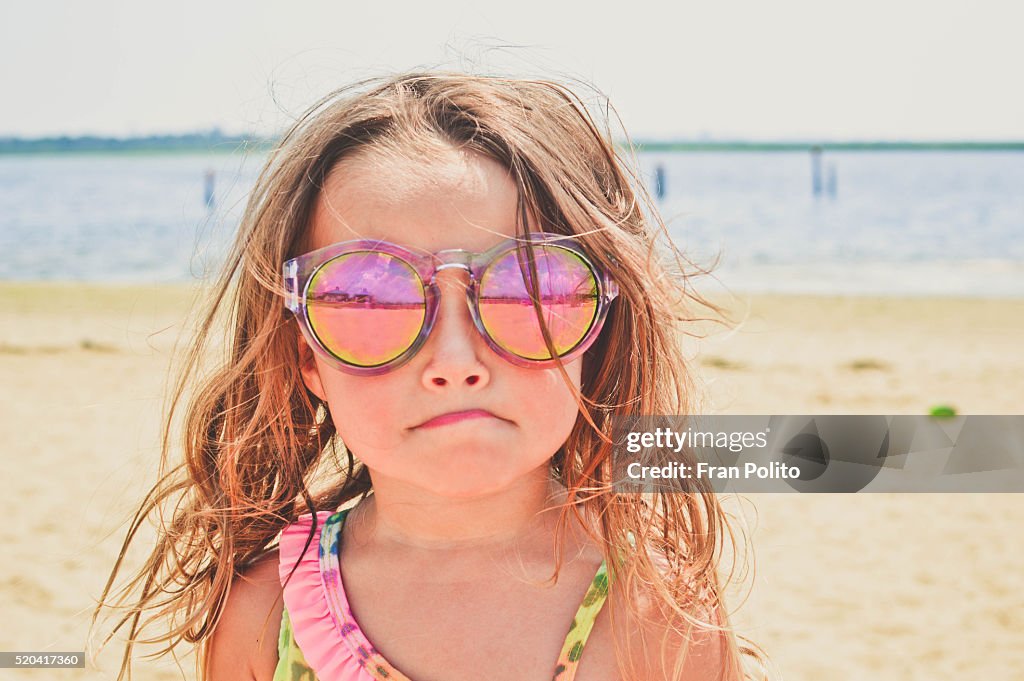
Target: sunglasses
{"type": "Point", "coordinates": [368, 306]}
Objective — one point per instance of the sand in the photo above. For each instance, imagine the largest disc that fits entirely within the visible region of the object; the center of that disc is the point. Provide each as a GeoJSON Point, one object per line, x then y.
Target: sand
{"type": "Point", "coordinates": [845, 587]}
{"type": "Point", "coordinates": [862, 355]}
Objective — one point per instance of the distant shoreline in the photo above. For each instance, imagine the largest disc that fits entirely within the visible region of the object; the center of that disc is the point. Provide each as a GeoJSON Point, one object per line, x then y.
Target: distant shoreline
{"type": "Point", "coordinates": [212, 143]}
{"type": "Point", "coordinates": [218, 143]}
{"type": "Point", "coordinates": [827, 146]}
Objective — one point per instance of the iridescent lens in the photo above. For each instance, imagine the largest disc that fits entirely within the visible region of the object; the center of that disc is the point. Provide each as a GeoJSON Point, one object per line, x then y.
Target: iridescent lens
{"type": "Point", "coordinates": [568, 301]}
{"type": "Point", "coordinates": [366, 308]}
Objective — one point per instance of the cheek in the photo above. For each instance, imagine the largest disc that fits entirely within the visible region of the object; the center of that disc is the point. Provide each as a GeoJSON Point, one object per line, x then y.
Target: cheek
{"type": "Point", "coordinates": [364, 412]}
{"type": "Point", "coordinates": [550, 402]}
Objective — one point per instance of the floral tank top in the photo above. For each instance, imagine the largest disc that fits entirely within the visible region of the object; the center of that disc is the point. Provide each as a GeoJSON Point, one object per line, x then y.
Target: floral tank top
{"type": "Point", "coordinates": [320, 639]}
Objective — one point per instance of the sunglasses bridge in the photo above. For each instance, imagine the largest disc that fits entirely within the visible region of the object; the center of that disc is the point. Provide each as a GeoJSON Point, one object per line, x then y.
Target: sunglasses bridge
{"type": "Point", "coordinates": [453, 258]}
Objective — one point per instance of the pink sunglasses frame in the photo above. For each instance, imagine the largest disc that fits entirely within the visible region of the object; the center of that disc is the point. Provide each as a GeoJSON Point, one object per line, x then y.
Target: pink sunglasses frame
{"type": "Point", "coordinates": [299, 272]}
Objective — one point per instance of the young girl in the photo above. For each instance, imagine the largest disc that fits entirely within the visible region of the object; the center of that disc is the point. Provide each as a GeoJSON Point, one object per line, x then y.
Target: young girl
{"type": "Point", "coordinates": [452, 281]}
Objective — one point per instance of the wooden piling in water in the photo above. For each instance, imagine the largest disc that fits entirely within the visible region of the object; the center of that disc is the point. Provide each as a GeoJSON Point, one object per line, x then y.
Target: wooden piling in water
{"type": "Point", "coordinates": [816, 170]}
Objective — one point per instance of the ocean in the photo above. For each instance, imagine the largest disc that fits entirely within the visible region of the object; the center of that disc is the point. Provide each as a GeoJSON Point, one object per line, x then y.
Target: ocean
{"type": "Point", "coordinates": [891, 222]}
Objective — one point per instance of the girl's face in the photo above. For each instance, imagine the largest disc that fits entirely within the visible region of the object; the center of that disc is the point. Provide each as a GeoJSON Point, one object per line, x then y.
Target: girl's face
{"type": "Point", "coordinates": [518, 417]}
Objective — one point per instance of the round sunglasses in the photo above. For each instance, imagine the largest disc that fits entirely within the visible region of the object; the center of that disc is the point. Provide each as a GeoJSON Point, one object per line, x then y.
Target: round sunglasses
{"type": "Point", "coordinates": [368, 306]}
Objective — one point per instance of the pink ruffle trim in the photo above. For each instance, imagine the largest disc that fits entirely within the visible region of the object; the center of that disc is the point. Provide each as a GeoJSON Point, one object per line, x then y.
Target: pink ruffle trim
{"type": "Point", "coordinates": [314, 629]}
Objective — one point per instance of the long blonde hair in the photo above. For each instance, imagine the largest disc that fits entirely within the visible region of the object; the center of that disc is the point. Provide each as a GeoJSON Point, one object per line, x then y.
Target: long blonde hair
{"type": "Point", "coordinates": [255, 439]}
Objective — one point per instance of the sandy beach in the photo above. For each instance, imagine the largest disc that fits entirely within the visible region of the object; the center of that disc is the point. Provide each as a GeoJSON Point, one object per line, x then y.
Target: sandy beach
{"type": "Point", "coordinates": [910, 586]}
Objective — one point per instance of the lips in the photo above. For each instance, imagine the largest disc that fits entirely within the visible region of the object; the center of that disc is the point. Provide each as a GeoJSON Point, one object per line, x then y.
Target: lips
{"type": "Point", "coordinates": [457, 417]}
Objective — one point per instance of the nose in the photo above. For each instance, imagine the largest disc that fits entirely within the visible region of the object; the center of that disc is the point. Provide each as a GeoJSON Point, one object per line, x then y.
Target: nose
{"type": "Point", "coordinates": [454, 349]}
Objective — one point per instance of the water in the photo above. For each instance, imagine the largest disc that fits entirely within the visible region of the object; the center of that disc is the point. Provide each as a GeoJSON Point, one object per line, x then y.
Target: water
{"type": "Point", "coordinates": [899, 223]}
{"type": "Point", "coordinates": [119, 218]}
{"type": "Point", "coordinates": [948, 223]}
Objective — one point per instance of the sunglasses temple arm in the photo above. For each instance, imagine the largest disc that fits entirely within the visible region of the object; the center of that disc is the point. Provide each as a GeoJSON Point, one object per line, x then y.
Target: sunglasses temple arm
{"type": "Point", "coordinates": [291, 285]}
{"type": "Point", "coordinates": [611, 289]}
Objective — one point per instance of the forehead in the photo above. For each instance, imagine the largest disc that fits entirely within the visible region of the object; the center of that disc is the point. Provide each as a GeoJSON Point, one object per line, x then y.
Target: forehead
{"type": "Point", "coordinates": [452, 199]}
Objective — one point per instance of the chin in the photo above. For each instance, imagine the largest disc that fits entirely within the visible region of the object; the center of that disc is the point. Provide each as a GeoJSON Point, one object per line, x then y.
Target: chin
{"type": "Point", "coordinates": [466, 482]}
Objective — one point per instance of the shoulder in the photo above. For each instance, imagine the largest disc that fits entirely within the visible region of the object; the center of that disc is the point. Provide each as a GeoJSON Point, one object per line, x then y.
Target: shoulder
{"type": "Point", "coordinates": [656, 640]}
{"type": "Point", "coordinates": [244, 644]}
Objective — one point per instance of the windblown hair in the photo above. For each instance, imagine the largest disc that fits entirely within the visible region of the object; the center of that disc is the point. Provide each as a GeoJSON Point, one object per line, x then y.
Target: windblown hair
{"type": "Point", "coordinates": [255, 440]}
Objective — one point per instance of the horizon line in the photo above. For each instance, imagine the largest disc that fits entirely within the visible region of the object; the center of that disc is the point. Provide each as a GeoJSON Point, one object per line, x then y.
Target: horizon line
{"type": "Point", "coordinates": [217, 141]}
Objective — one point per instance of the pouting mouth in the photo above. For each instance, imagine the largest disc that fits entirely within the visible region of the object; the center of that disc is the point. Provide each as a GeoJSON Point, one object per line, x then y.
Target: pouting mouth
{"type": "Point", "coordinates": [456, 417]}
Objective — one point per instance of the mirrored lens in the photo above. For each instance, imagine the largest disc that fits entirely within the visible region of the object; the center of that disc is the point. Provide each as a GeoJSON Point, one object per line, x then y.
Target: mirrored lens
{"type": "Point", "coordinates": [568, 297]}
{"type": "Point", "coordinates": [366, 308]}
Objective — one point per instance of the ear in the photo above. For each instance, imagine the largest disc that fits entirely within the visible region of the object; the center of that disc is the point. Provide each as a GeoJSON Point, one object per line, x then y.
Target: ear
{"type": "Point", "coordinates": [308, 368]}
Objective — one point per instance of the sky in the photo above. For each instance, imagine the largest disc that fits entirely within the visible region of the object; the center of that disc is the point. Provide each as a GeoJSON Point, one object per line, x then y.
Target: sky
{"type": "Point", "coordinates": [786, 69]}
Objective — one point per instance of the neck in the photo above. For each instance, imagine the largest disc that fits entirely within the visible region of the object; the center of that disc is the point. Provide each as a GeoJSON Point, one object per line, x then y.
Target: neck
{"type": "Point", "coordinates": [398, 515]}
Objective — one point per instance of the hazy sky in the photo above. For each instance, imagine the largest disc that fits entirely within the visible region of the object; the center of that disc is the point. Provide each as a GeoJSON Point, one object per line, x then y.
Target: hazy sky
{"type": "Point", "coordinates": [871, 69]}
